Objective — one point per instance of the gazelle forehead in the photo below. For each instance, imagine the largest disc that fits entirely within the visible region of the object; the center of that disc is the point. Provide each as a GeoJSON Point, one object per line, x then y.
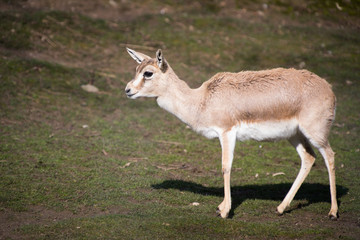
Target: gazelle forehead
{"type": "Point", "coordinates": [148, 62]}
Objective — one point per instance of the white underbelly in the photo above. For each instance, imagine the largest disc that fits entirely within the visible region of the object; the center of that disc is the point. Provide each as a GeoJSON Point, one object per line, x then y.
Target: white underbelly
{"type": "Point", "coordinates": [267, 131]}
{"type": "Point", "coordinates": [259, 131]}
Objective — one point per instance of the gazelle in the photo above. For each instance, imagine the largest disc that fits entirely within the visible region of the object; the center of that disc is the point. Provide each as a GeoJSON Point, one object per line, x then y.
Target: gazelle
{"type": "Point", "coordinates": [268, 105]}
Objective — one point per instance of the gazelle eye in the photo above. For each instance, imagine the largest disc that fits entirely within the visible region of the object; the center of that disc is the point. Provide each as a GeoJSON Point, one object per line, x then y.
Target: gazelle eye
{"type": "Point", "coordinates": [148, 74]}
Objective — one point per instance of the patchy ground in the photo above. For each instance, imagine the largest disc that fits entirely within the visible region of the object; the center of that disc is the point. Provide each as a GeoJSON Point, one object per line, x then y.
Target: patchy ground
{"type": "Point", "coordinates": [82, 165]}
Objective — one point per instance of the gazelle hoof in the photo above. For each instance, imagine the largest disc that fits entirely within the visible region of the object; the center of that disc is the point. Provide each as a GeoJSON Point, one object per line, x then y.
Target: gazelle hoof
{"type": "Point", "coordinates": [222, 214]}
{"type": "Point", "coordinates": [333, 217]}
{"type": "Point", "coordinates": [279, 211]}
{"type": "Point", "coordinates": [218, 211]}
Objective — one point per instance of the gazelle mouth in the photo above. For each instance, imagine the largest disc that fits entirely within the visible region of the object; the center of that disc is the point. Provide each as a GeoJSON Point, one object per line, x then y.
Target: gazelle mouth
{"type": "Point", "coordinates": [130, 95]}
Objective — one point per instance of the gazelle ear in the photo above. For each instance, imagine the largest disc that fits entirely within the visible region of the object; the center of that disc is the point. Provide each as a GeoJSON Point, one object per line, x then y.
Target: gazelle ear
{"type": "Point", "coordinates": [161, 62]}
{"type": "Point", "coordinates": [138, 57]}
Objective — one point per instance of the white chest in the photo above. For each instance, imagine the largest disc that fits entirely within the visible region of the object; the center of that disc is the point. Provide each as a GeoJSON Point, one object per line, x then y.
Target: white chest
{"type": "Point", "coordinates": [209, 132]}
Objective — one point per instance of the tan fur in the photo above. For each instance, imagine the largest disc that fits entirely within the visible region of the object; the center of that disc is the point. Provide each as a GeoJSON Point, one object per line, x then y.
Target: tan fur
{"type": "Point", "coordinates": [229, 103]}
{"type": "Point", "coordinates": [267, 95]}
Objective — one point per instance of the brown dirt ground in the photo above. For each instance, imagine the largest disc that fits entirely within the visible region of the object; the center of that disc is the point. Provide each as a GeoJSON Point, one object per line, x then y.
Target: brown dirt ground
{"type": "Point", "coordinates": [39, 215]}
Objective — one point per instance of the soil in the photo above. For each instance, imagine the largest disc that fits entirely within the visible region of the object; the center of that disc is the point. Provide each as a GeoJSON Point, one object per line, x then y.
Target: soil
{"type": "Point", "coordinates": [39, 215]}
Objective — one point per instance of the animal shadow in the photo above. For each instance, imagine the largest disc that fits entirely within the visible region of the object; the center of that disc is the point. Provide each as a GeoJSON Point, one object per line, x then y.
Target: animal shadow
{"type": "Point", "coordinates": [312, 192]}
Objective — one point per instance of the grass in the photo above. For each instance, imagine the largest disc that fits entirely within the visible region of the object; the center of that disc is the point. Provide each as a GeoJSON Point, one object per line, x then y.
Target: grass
{"type": "Point", "coordinates": [80, 165]}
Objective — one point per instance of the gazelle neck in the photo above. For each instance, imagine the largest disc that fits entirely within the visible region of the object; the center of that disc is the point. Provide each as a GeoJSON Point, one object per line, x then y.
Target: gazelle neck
{"type": "Point", "coordinates": [179, 99]}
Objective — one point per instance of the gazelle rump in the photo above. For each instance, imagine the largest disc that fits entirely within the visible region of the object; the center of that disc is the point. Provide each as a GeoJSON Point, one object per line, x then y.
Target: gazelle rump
{"type": "Point", "coordinates": [268, 105]}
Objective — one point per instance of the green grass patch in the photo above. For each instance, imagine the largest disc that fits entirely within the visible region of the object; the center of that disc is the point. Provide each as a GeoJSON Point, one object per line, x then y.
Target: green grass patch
{"type": "Point", "coordinates": [100, 166]}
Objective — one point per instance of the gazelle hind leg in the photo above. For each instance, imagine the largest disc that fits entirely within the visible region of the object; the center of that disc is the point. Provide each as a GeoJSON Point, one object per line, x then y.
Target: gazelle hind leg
{"type": "Point", "coordinates": [329, 159]}
{"type": "Point", "coordinates": [307, 156]}
{"type": "Point", "coordinates": [317, 132]}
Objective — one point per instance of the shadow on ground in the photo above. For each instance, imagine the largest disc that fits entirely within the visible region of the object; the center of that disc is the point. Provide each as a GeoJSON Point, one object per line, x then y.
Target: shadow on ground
{"type": "Point", "coordinates": [311, 192]}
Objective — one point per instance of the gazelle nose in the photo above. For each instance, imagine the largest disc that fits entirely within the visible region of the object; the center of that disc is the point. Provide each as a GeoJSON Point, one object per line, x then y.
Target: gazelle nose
{"type": "Point", "coordinates": [127, 90]}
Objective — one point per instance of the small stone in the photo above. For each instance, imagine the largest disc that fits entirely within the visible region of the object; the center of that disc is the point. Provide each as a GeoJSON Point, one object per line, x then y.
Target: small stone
{"type": "Point", "coordinates": [348, 82]}
{"type": "Point", "coordinates": [277, 174]}
{"type": "Point", "coordinates": [90, 88]}
{"type": "Point", "coordinates": [163, 11]}
{"type": "Point", "coordinates": [302, 65]}
{"type": "Point", "coordinates": [113, 3]}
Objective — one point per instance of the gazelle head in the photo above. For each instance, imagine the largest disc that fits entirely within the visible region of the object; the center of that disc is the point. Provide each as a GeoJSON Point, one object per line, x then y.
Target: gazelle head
{"type": "Point", "coordinates": [150, 76]}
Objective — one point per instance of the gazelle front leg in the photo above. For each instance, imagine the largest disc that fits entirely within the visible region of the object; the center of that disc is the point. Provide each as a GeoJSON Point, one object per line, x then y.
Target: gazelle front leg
{"type": "Point", "coordinates": [227, 141]}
